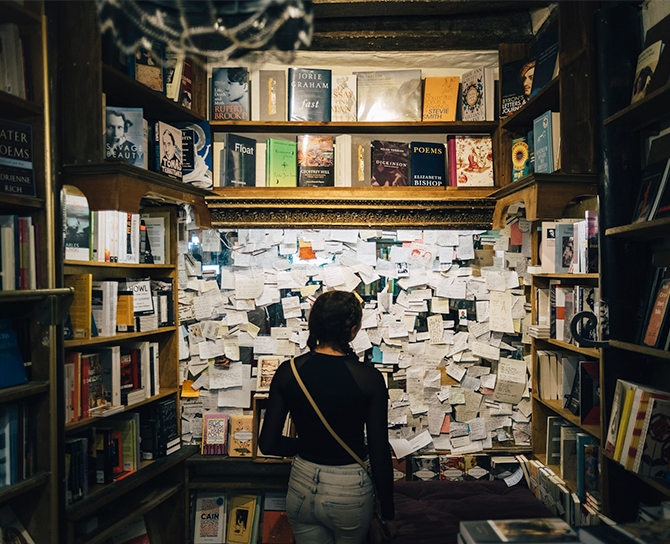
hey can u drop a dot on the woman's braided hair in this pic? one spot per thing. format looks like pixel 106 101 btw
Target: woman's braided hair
pixel 331 319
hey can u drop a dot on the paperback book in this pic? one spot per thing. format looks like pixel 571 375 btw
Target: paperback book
pixel 547 58
pixel 76 225
pixel 146 66
pixel 197 154
pixel 281 163
pixel 309 94
pixel 520 158
pixel 210 518
pixel 343 101
pixel 470 160
pixel 239 161
pixel 17 176
pixel 428 164
pixel 168 145
pixel 654 180
pixel 518 530
pixel 229 95
pixel 440 98
pixel 477 95
pixel 271 94
pixel 316 165
pixel 352 160
pixel 546 134
pixel 389 95
pixel 515 85
pixel 214 433
pixel 646 65
pixel 390 163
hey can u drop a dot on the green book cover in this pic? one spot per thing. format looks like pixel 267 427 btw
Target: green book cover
pixel 281 170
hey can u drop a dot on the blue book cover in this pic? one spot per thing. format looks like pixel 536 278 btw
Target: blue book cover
pixel 547 56
pixel 196 154
pixel 11 361
pixel 428 165
pixel 543 146
pixel 229 94
pixel 309 94
pixel 565 247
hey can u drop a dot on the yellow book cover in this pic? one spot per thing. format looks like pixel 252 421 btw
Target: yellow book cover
pixel 80 309
pixel 241 519
pixel 623 425
pixel 241 435
pixel 440 98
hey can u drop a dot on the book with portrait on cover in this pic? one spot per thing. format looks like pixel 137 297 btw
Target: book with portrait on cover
pixel 229 94
pixel 390 164
pixel 168 145
pixel 389 95
pixel 124 135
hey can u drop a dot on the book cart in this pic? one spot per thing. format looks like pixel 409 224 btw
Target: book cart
pixel 36 313
pixel 547 197
pixel 644 246
pixel 158 489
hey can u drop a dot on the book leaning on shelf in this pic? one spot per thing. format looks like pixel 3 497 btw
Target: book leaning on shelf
pixel 546 142
pixel 440 98
pixel 478 95
pixel 309 94
pixel 211 509
pixel 19 253
pixel 389 95
pixel 16 158
pixel 316 164
pixel 197 154
pixel 229 94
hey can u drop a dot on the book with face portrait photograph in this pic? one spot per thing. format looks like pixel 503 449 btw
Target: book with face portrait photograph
pixel 124 135
pixel 168 143
pixel 229 96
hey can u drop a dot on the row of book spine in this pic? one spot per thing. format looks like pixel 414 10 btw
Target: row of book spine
pixel 633 437
pixel 15 65
pixel 352 161
pixel 570 246
pixel 108 377
pixel 18 439
pixel 20 260
pixel 539 150
pixel 116 447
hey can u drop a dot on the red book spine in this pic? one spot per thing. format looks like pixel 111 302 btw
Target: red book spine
pixel 76 395
pixel 135 358
pixel 451 152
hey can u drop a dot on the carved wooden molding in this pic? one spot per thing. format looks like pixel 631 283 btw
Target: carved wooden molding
pixel 350 208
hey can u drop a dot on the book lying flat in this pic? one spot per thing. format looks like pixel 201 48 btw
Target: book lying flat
pixel 528 531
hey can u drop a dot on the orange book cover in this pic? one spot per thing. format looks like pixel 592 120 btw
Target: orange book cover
pixel 440 98
pixel 241 435
pixel 657 320
pixel 276 528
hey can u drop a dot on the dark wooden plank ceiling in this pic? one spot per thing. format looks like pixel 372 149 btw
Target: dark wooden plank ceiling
pixel 414 25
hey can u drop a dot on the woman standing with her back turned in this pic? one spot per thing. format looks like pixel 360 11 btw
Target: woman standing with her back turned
pixel 330 496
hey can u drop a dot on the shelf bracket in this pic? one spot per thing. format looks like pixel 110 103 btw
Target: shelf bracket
pixel 590 325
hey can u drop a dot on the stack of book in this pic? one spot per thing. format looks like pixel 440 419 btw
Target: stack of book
pixel 539 331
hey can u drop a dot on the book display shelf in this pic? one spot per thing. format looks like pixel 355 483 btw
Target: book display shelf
pixel 33 310
pixel 626 358
pixel 155 489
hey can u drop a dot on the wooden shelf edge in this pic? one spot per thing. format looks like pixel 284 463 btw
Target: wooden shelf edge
pixel 19 488
pixel 17 392
pixel 646 230
pixel 73 426
pixel 593 276
pixel 589 352
pixel 113 491
pixel 535 107
pixel 458 127
pixel 555 406
pixel 148 503
pixel 644 112
pixel 13 12
pixel 96 264
pixel 23 202
pixel 212 485
pixel 656 483
pixel 34 294
pixel 119 337
pixel 644 350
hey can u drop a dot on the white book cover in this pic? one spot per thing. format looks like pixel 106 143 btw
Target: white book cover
pixel 145 366
pixel 156 376
pixel 261 150
pixel 122 224
pixel 343 160
pixel 343 99
pixel 76 226
pixel 210 518
pixel 156 234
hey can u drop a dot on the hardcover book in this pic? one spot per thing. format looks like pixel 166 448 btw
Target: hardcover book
pixel 547 58
pixel 316 165
pixel 210 518
pixel 477 95
pixel 546 134
pixel 241 521
pixel 146 66
pixel 520 158
pixel 267 366
pixel 240 435
pixel 214 433
pixel 352 161
pixel 589 392
pixel 452 468
pixel 390 164
pixel 229 95
pixel 425 467
pixel 440 98
pixel 656 329
pixel 654 177
pixel 309 94
pixel 428 164
pixel 343 100
pixel 646 65
pixel 389 95
pixel 515 85
pixel 281 164
pixel 655 440
pixel 197 154
pixel 76 225
pixel 16 158
pixel 272 95
pixel 239 161
pixel 518 530
pixel 592 241
pixel 564 247
pixel 472 164
pixel 186 87
pixel 168 145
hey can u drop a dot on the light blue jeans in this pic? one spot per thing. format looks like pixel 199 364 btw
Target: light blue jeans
pixel 329 504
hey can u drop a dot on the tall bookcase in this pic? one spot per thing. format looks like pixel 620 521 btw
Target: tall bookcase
pixel 646 244
pixel 36 313
pixel 157 491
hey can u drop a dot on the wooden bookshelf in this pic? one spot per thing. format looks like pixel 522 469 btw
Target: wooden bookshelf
pixel 556 407
pixel 644 113
pixel 118 338
pixel 647 230
pixel 643 350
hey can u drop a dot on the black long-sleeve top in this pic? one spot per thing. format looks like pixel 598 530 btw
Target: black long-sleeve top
pixel 352 397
